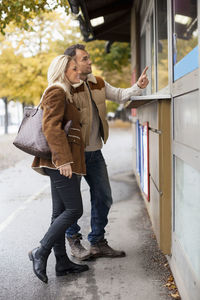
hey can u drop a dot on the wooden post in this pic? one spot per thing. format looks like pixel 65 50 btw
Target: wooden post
pixel 165 175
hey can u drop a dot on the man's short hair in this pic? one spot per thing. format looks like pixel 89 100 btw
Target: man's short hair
pixel 71 51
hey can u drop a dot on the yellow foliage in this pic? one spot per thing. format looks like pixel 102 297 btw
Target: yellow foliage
pixel 25 78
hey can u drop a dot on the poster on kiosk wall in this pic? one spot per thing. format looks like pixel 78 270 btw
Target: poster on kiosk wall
pixel 145 139
pixel 142 156
pixel 138 146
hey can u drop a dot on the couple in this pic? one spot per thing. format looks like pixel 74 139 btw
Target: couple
pixel 73 93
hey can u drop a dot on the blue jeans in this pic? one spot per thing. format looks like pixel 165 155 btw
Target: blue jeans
pixel 101 198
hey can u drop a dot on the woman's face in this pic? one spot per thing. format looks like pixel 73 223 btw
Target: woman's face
pixel 72 72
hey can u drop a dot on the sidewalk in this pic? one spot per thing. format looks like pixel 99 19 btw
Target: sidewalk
pixel 140 275
pixel 9 154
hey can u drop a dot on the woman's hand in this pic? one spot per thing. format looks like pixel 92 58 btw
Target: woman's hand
pixel 66 170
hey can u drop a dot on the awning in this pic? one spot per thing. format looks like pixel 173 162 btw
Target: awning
pixel 114 15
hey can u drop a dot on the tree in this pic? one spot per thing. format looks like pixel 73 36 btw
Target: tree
pixel 118 57
pixel 106 64
pixel 115 66
pixel 21 11
pixel 25 78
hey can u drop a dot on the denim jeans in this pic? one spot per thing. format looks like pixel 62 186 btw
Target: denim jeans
pixel 100 193
pixel 66 209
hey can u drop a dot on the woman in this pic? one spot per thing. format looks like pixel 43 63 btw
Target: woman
pixel 64 168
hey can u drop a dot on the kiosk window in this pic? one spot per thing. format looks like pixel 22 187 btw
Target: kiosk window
pixel 153 77
pixel 185 37
pixel 187 207
pixel 162 44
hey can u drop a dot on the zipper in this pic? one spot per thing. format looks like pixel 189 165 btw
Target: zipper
pixel 101 125
pixel 90 110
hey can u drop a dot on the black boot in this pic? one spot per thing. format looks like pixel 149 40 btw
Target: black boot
pixel 39 258
pixel 65 266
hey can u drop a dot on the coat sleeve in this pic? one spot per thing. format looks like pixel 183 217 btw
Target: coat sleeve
pixel 54 105
pixel 120 95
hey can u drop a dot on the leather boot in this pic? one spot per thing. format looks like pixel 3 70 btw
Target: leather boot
pixel 102 249
pixel 39 258
pixel 77 249
pixel 65 266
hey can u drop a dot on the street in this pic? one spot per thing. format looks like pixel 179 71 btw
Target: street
pixel 25 216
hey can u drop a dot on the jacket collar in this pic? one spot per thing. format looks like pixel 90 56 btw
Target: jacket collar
pixel 65 86
pixel 90 78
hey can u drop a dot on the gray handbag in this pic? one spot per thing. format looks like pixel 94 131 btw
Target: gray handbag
pixel 30 137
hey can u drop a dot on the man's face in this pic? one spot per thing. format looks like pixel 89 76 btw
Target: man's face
pixel 72 72
pixel 84 62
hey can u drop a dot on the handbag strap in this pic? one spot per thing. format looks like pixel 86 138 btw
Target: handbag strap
pixel 54 84
pixel 58 84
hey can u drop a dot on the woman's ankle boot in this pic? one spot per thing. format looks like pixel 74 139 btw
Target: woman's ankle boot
pixel 39 258
pixel 65 266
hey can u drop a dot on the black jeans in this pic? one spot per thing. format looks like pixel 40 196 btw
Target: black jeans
pixel 67 208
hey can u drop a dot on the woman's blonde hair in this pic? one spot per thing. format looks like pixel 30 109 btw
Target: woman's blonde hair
pixel 57 68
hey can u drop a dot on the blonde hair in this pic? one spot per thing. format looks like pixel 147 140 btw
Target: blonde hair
pixel 57 68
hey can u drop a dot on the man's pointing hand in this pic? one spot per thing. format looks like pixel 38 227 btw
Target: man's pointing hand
pixel 143 80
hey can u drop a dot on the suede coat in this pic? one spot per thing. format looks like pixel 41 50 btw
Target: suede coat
pixel 57 110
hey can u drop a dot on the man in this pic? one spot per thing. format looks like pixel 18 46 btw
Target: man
pixel 89 96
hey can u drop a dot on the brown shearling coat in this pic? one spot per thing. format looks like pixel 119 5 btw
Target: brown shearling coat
pixel 56 112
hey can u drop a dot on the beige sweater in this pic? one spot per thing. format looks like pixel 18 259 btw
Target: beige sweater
pixel 118 95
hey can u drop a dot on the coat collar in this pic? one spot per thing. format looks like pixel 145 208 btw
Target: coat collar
pixel 65 86
pixel 90 78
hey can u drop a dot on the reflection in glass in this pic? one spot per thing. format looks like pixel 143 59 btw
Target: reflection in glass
pixel 152 57
pixel 143 55
pixel 143 52
pixel 162 44
pixel 185 28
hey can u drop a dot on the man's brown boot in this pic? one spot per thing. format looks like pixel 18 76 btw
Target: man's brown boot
pixel 77 249
pixel 102 249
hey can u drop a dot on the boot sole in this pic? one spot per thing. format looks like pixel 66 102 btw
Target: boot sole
pixel 86 257
pixel 106 255
pixel 63 273
pixel 30 255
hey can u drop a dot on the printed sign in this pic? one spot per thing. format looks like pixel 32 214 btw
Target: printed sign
pixel 145 137
pixel 142 156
